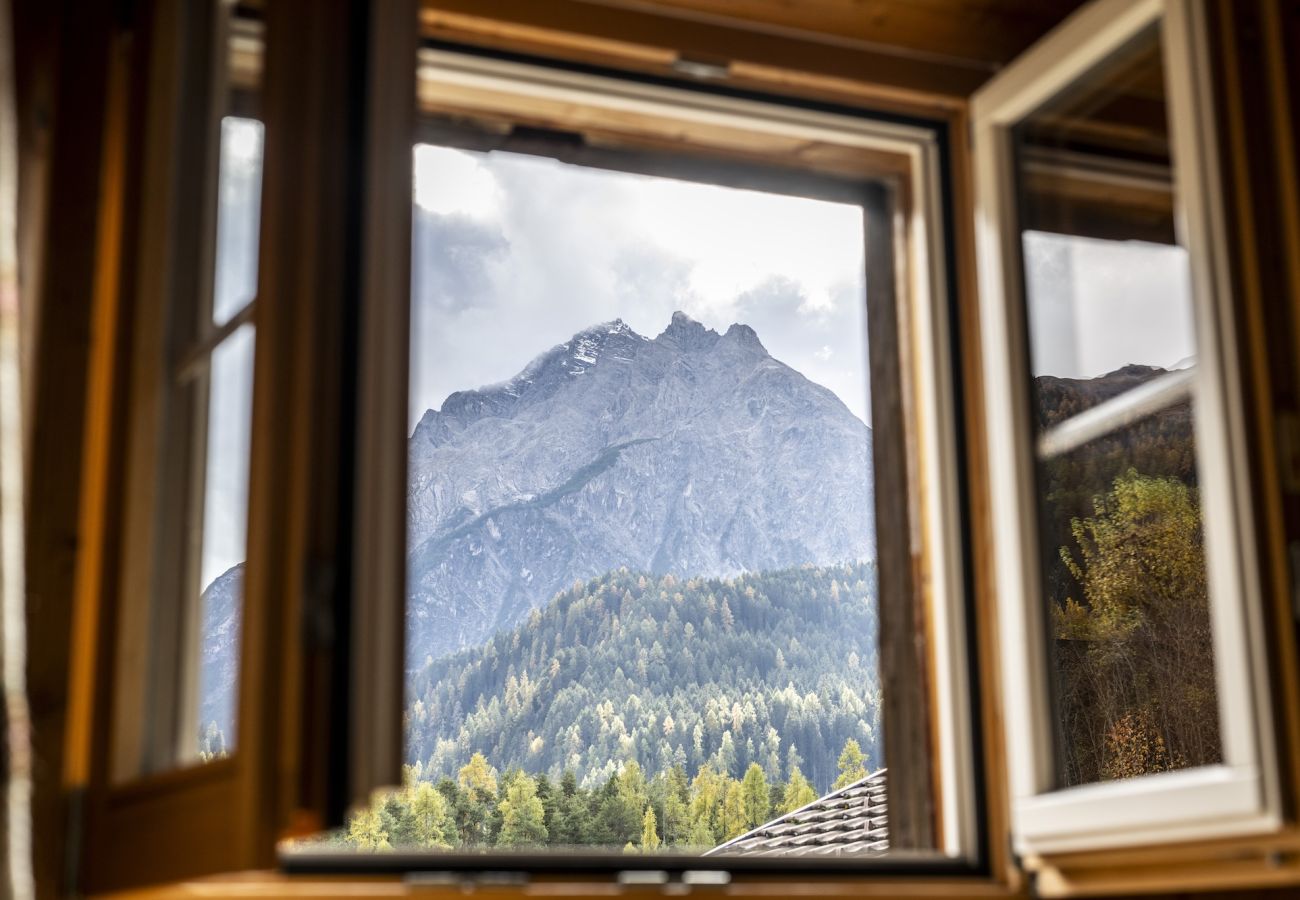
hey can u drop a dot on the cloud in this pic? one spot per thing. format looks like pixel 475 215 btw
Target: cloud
pixel 824 341
pixel 553 248
pixel 450 258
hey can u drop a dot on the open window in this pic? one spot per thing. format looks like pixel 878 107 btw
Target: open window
pixel 1135 675
pixel 721 456
pixel 681 511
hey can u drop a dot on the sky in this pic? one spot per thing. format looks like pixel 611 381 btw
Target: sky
pixel 515 254
pixel 230 396
pixel 1097 305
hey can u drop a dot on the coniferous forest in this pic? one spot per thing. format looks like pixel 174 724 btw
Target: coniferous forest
pixel 775 669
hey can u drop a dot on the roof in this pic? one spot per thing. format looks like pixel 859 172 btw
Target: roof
pixel 850 821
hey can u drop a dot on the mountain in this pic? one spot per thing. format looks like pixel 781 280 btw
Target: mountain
pixel 694 453
pixel 763 668
pixel 221 608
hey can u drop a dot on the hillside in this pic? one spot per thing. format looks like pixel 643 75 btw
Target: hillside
pixel 761 668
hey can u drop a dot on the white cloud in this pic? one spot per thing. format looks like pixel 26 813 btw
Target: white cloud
pixel 571 246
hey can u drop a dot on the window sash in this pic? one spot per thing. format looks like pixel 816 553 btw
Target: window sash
pixel 1240 795
pixel 933 535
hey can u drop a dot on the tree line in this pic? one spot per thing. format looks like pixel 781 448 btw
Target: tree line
pixel 482 808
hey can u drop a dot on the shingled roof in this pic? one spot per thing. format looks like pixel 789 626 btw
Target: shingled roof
pixel 850 821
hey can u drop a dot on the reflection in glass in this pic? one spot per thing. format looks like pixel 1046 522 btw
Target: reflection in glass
pixel 1124 571
pixel 1107 286
pixel 239 203
pixel 1096 306
pixel 225 518
pixel 226 438
pixel 1110 325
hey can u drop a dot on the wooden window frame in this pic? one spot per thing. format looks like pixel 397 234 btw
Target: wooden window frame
pixel 474 99
pixel 305 751
pixel 1241 795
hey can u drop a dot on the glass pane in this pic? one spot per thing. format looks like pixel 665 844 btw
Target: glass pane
pixel 1124 574
pixel 176 683
pixel 225 526
pixel 1107 285
pixel 239 203
pixel 641 580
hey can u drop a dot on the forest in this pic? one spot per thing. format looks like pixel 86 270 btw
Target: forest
pixel 481 808
pixel 776 669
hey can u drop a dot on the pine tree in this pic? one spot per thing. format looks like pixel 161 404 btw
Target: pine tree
pixel 798 793
pixel 523 820
pixel 649 834
pixel 433 825
pixel 734 822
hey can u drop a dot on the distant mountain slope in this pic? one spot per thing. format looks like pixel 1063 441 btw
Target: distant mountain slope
pixel 665 670
pixel 694 453
pixel 221 611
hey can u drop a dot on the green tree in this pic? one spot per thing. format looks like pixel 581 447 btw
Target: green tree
pixel 1135 657
pixel 523 820
pixel 478 783
pixel 433 823
pixel 649 834
pixel 707 792
pixel 734 822
pixel 754 796
pixel 366 829
pixel 798 793
pixel 852 765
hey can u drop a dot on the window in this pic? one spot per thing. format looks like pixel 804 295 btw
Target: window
pixel 516 429
pixel 1137 711
pixel 641 561
pixel 178 703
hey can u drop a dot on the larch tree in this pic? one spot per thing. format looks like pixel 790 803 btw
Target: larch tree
pixel 852 765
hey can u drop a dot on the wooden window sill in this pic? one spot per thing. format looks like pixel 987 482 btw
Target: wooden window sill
pixel 246 885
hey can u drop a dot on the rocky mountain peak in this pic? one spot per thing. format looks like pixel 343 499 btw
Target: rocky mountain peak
pixel 694 453
pixel 687 334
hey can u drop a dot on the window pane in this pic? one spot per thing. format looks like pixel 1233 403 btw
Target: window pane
pixel 1107 286
pixel 641 579
pixel 239 201
pixel 225 521
pixel 1125 579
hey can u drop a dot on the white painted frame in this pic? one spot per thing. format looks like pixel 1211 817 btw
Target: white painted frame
pixel 923 314
pixel 1240 795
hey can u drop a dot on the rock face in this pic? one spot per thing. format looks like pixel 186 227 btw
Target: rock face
pixel 695 453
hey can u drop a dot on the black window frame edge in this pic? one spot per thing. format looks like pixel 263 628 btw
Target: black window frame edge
pixel 500 866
